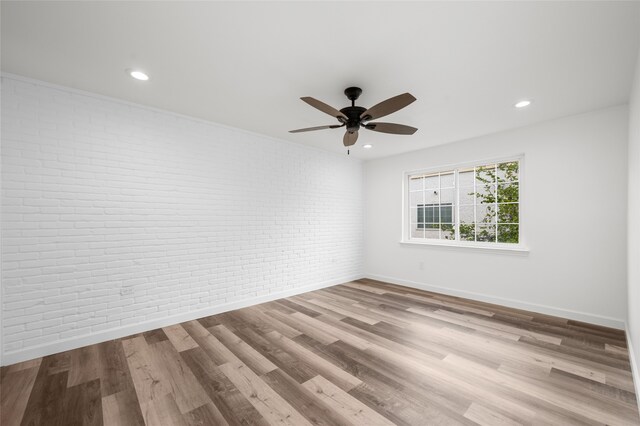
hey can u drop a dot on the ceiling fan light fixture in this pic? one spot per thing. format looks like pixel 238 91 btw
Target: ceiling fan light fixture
pixel 367 146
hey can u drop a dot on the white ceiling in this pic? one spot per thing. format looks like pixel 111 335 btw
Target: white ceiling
pixel 246 64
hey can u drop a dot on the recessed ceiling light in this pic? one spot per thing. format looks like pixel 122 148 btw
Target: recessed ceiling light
pixel 367 146
pixel 523 103
pixel 138 75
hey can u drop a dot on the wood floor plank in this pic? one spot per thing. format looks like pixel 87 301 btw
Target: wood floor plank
pixel 84 365
pixel 590 409
pixel 122 409
pixel 442 405
pixel 83 404
pixel 14 395
pixel 271 323
pixel 155 336
pixel 441 316
pixel 365 287
pixel 343 403
pixel 288 363
pixel 46 402
pixel 162 411
pixel 303 400
pixel 303 299
pixel 296 307
pixel 113 368
pixel 212 346
pixel 486 417
pixel 255 360
pixel 297 321
pixel 56 363
pixel 148 377
pixel 341 378
pixel 271 405
pixel 233 406
pixel 346 312
pixel 205 415
pixel 363 353
pixel 179 338
pixel 325 323
pixel 186 391
pixel 25 365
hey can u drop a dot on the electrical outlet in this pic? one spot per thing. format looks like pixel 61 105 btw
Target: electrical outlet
pixel 126 291
pixel 421 265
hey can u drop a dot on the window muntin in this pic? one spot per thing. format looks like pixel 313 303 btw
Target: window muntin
pixel 472 204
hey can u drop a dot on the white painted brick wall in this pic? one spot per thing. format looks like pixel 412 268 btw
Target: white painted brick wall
pixel 101 198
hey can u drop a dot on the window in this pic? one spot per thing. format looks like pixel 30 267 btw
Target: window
pixel 470 204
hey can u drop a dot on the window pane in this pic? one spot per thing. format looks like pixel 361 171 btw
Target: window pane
pixel 508 193
pixel 447 180
pixel 448 232
pixel 467 231
pixel 447 196
pixel 508 234
pixel 508 213
pixel 467 215
pixel 431 213
pixel 485 194
pixel 416 198
pixel 432 182
pixel 446 213
pixel 486 233
pixel 485 174
pixel 432 231
pixel 415 183
pixel 417 232
pixel 465 177
pixel 432 196
pixel 486 213
pixel 508 172
pixel 467 195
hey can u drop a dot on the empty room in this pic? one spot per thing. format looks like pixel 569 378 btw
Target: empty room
pixel 320 213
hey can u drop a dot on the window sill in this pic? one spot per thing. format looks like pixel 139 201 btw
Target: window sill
pixel 455 245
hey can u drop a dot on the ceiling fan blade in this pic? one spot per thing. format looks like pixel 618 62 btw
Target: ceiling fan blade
pixel 324 108
pixel 396 129
pixel 350 138
pixel 387 107
pixel 308 129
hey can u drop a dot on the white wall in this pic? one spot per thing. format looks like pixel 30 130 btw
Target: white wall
pixel 117 218
pixel 576 266
pixel 633 218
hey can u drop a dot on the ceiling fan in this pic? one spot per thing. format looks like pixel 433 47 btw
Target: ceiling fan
pixel 354 117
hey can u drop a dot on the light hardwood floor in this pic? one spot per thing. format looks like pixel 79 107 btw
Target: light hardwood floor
pixel 364 353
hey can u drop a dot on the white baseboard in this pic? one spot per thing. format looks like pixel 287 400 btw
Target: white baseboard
pixel 634 365
pixel 115 333
pixel 518 304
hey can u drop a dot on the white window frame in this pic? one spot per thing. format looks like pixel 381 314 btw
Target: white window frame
pixel 507 247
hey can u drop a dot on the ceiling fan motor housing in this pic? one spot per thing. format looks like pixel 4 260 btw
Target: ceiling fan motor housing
pixel 353 117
